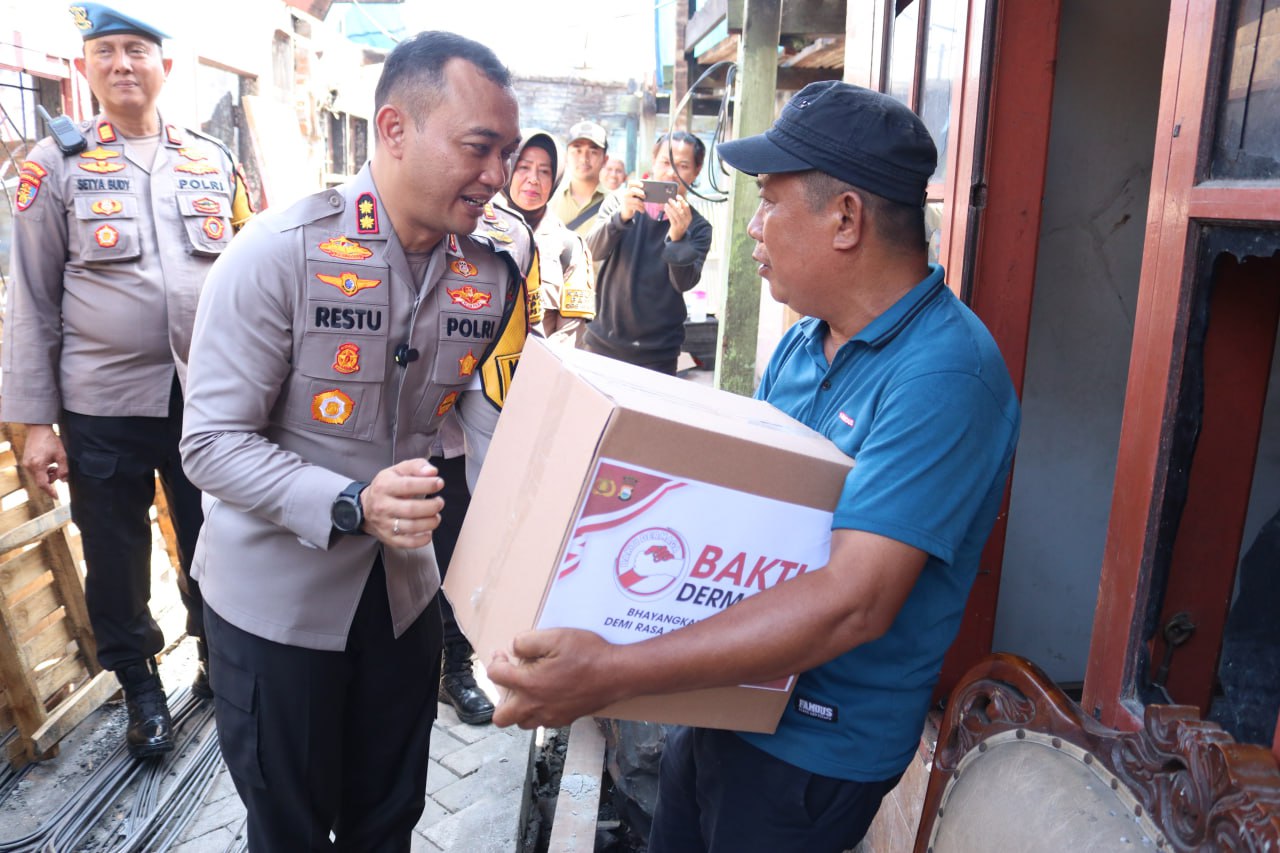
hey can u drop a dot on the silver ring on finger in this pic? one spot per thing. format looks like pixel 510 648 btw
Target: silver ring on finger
pixel 395 528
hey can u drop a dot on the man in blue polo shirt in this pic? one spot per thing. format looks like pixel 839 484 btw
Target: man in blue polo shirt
pixel 903 377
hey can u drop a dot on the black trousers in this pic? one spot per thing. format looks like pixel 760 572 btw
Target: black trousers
pixel 112 466
pixel 457 497
pixel 320 741
pixel 719 794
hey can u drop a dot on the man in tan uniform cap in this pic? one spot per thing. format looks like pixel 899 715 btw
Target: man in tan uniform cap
pixel 118 223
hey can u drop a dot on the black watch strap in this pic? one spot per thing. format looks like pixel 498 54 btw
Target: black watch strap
pixel 347 513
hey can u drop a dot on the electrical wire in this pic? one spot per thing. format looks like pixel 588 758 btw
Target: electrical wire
pixel 721 194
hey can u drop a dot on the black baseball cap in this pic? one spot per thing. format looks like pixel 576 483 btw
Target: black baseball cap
pixel 856 135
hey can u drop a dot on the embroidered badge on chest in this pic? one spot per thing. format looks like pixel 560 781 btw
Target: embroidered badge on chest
pixel 106 207
pixel 332 407
pixel 367 214
pixel 464 268
pixel 470 297
pixel 206 205
pixel 214 228
pixel 498 236
pixel 193 154
pixel 198 168
pixel 344 249
pixel 347 358
pixel 348 282
pixel 106 236
pixel 99 161
pixel 467 364
pixel 447 403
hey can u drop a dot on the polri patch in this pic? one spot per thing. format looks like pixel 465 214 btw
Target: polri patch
pixel 106 236
pixel 332 407
pixel 348 282
pixel 347 358
pixel 816 710
pixel 470 297
pixel 28 189
pixel 34 169
pixel 367 214
pixel 344 249
pixel 464 268
pixel 467 364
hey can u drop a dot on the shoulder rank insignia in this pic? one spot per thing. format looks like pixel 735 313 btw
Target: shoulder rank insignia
pixel 201 167
pixel 447 403
pixel 332 407
pixel 349 283
pixel 467 364
pixel 470 297
pixel 106 236
pixel 452 245
pixel 106 207
pixel 174 135
pixel 214 228
pixel 344 249
pixel 464 268
pixel 366 214
pixel 106 133
pixel 347 358
pixel 492 219
pixel 206 205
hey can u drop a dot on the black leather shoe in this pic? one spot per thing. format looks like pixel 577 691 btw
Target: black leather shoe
pixel 200 684
pixel 150 729
pixel 459 690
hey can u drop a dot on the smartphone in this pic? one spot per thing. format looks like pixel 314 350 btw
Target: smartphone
pixel 659 192
pixel 65 133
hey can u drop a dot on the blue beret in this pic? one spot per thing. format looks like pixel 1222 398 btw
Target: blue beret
pixel 96 20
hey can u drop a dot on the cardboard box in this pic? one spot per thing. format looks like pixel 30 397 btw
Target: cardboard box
pixel 630 503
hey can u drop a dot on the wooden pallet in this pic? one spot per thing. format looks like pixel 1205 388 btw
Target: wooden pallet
pixel 49 673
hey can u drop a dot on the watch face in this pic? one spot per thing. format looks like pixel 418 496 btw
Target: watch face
pixel 345 515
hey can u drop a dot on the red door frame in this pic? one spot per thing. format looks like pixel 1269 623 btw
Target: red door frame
pixel 1176 210
pixel 1005 186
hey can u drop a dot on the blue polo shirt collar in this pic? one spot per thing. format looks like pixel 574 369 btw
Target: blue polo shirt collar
pixel 886 327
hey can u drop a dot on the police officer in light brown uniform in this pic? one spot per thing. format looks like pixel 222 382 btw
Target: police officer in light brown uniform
pixel 118 223
pixel 333 339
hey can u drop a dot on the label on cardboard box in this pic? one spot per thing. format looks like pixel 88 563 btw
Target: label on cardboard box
pixel 650 553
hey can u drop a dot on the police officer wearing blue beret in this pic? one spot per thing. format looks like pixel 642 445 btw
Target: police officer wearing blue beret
pixel 118 221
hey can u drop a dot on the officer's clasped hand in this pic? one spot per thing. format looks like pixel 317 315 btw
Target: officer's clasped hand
pixel 399 509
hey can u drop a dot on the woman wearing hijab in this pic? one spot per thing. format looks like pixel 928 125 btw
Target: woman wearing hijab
pixel 568 277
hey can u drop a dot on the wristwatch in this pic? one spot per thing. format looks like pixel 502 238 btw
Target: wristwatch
pixel 347 514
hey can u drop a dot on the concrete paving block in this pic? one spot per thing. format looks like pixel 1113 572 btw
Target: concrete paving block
pixel 432 814
pixel 501 744
pixel 496 779
pixel 490 825
pixel 438 776
pixel 443 743
pixel 470 734
pixel 420 844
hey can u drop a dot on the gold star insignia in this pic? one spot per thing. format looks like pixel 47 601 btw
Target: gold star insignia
pixel 366 222
pixel 366 207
